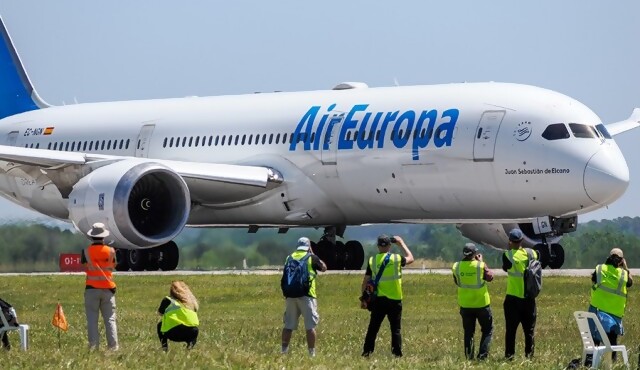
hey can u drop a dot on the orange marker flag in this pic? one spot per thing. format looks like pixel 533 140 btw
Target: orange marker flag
pixel 59 320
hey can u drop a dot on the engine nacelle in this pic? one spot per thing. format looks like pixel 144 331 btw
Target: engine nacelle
pixel 142 203
pixel 497 235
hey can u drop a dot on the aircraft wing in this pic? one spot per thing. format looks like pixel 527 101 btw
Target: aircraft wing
pixel 209 183
pixel 630 123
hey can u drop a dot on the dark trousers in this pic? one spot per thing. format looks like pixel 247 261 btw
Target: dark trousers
pixel 392 309
pixel 485 319
pixel 5 341
pixel 519 311
pixel 180 333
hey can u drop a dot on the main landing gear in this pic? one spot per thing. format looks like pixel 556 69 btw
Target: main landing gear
pixel 164 257
pixel 336 254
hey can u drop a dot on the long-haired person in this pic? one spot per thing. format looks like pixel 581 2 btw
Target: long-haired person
pixel 179 316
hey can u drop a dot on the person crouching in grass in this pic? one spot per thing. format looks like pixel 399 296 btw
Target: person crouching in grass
pixel 179 316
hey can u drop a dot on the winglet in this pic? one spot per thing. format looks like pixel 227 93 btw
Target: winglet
pixel 630 123
pixel 17 95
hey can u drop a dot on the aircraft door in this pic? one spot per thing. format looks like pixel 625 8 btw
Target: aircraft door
pixel 484 143
pixel 12 137
pixel 329 142
pixel 144 140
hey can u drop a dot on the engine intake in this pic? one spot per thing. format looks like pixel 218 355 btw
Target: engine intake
pixel 143 203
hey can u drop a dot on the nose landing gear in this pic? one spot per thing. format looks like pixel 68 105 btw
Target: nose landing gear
pixel 338 255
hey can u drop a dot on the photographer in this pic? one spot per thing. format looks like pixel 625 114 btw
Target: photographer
pixel 471 275
pixel 388 300
pixel 609 295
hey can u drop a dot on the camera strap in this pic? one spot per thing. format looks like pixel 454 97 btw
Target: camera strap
pixel 384 264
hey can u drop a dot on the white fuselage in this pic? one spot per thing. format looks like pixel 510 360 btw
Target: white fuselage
pixel 474 152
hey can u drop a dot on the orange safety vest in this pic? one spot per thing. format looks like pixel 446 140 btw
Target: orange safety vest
pixel 101 260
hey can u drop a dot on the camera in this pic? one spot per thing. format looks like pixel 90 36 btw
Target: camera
pixel 393 240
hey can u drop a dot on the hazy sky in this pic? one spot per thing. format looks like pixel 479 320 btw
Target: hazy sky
pixel 88 51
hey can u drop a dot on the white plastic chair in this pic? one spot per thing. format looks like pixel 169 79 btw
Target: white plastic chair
pixel 588 345
pixel 22 329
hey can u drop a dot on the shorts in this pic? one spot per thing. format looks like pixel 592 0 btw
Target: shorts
pixel 305 306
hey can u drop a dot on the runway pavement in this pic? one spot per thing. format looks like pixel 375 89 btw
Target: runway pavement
pixel 497 272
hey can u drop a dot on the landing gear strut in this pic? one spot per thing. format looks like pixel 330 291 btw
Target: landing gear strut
pixel 336 254
pixel 164 257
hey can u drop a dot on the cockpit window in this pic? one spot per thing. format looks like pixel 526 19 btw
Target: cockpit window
pixel 603 130
pixel 556 131
pixel 583 131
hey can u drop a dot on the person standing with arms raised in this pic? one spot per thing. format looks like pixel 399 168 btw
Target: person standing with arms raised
pixel 471 275
pixel 388 301
pixel 518 309
pixel 99 261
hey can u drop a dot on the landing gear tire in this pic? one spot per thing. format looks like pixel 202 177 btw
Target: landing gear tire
pixel 355 255
pixel 326 251
pixel 137 259
pixel 341 256
pixel 556 257
pixel 122 259
pixel 169 256
pixel 543 254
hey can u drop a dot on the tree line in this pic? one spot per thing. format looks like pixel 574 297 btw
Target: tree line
pixel 36 247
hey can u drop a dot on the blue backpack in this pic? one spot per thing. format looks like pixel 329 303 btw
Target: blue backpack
pixel 295 281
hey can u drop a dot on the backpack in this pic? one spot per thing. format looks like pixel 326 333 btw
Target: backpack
pixel 295 282
pixel 532 276
pixel 9 313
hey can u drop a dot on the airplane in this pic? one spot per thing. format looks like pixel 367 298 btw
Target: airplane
pixel 487 157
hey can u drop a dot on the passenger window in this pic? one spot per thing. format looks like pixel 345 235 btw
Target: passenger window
pixel 244 137
pixel 127 144
pixel 73 146
pixel 264 138
pixel 270 138
pixel 236 141
pixel 38 146
pixel 190 141
pixel 66 147
pixel 217 140
pixel 121 143
pixel 284 138
pixel 90 145
pixel 84 146
pixel 250 139
pixel 583 131
pixel 109 145
pixel 197 140
pixel 556 131
pixel 277 138
pixel 603 130
pixel 211 140
pixel 49 146
pixel 313 137
pixel 184 141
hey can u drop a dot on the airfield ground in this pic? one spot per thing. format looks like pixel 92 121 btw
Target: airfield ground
pixel 241 318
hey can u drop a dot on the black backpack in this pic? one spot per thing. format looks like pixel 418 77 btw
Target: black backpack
pixel 295 282
pixel 8 312
pixel 532 276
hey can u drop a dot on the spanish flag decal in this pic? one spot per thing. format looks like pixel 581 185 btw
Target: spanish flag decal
pixel 48 131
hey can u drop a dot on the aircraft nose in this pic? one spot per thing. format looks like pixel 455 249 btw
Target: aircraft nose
pixel 606 176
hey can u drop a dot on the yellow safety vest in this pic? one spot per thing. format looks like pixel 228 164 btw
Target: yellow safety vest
pixel 298 255
pixel 515 275
pixel 472 289
pixel 176 314
pixel 609 293
pixel 390 284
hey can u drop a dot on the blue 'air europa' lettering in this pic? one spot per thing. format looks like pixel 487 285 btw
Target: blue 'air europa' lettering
pixel 362 129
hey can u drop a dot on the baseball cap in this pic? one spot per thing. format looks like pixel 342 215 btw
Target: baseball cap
pixel 616 252
pixel 384 240
pixel 515 235
pixel 304 244
pixel 469 249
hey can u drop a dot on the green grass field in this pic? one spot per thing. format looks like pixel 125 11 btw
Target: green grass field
pixel 241 318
